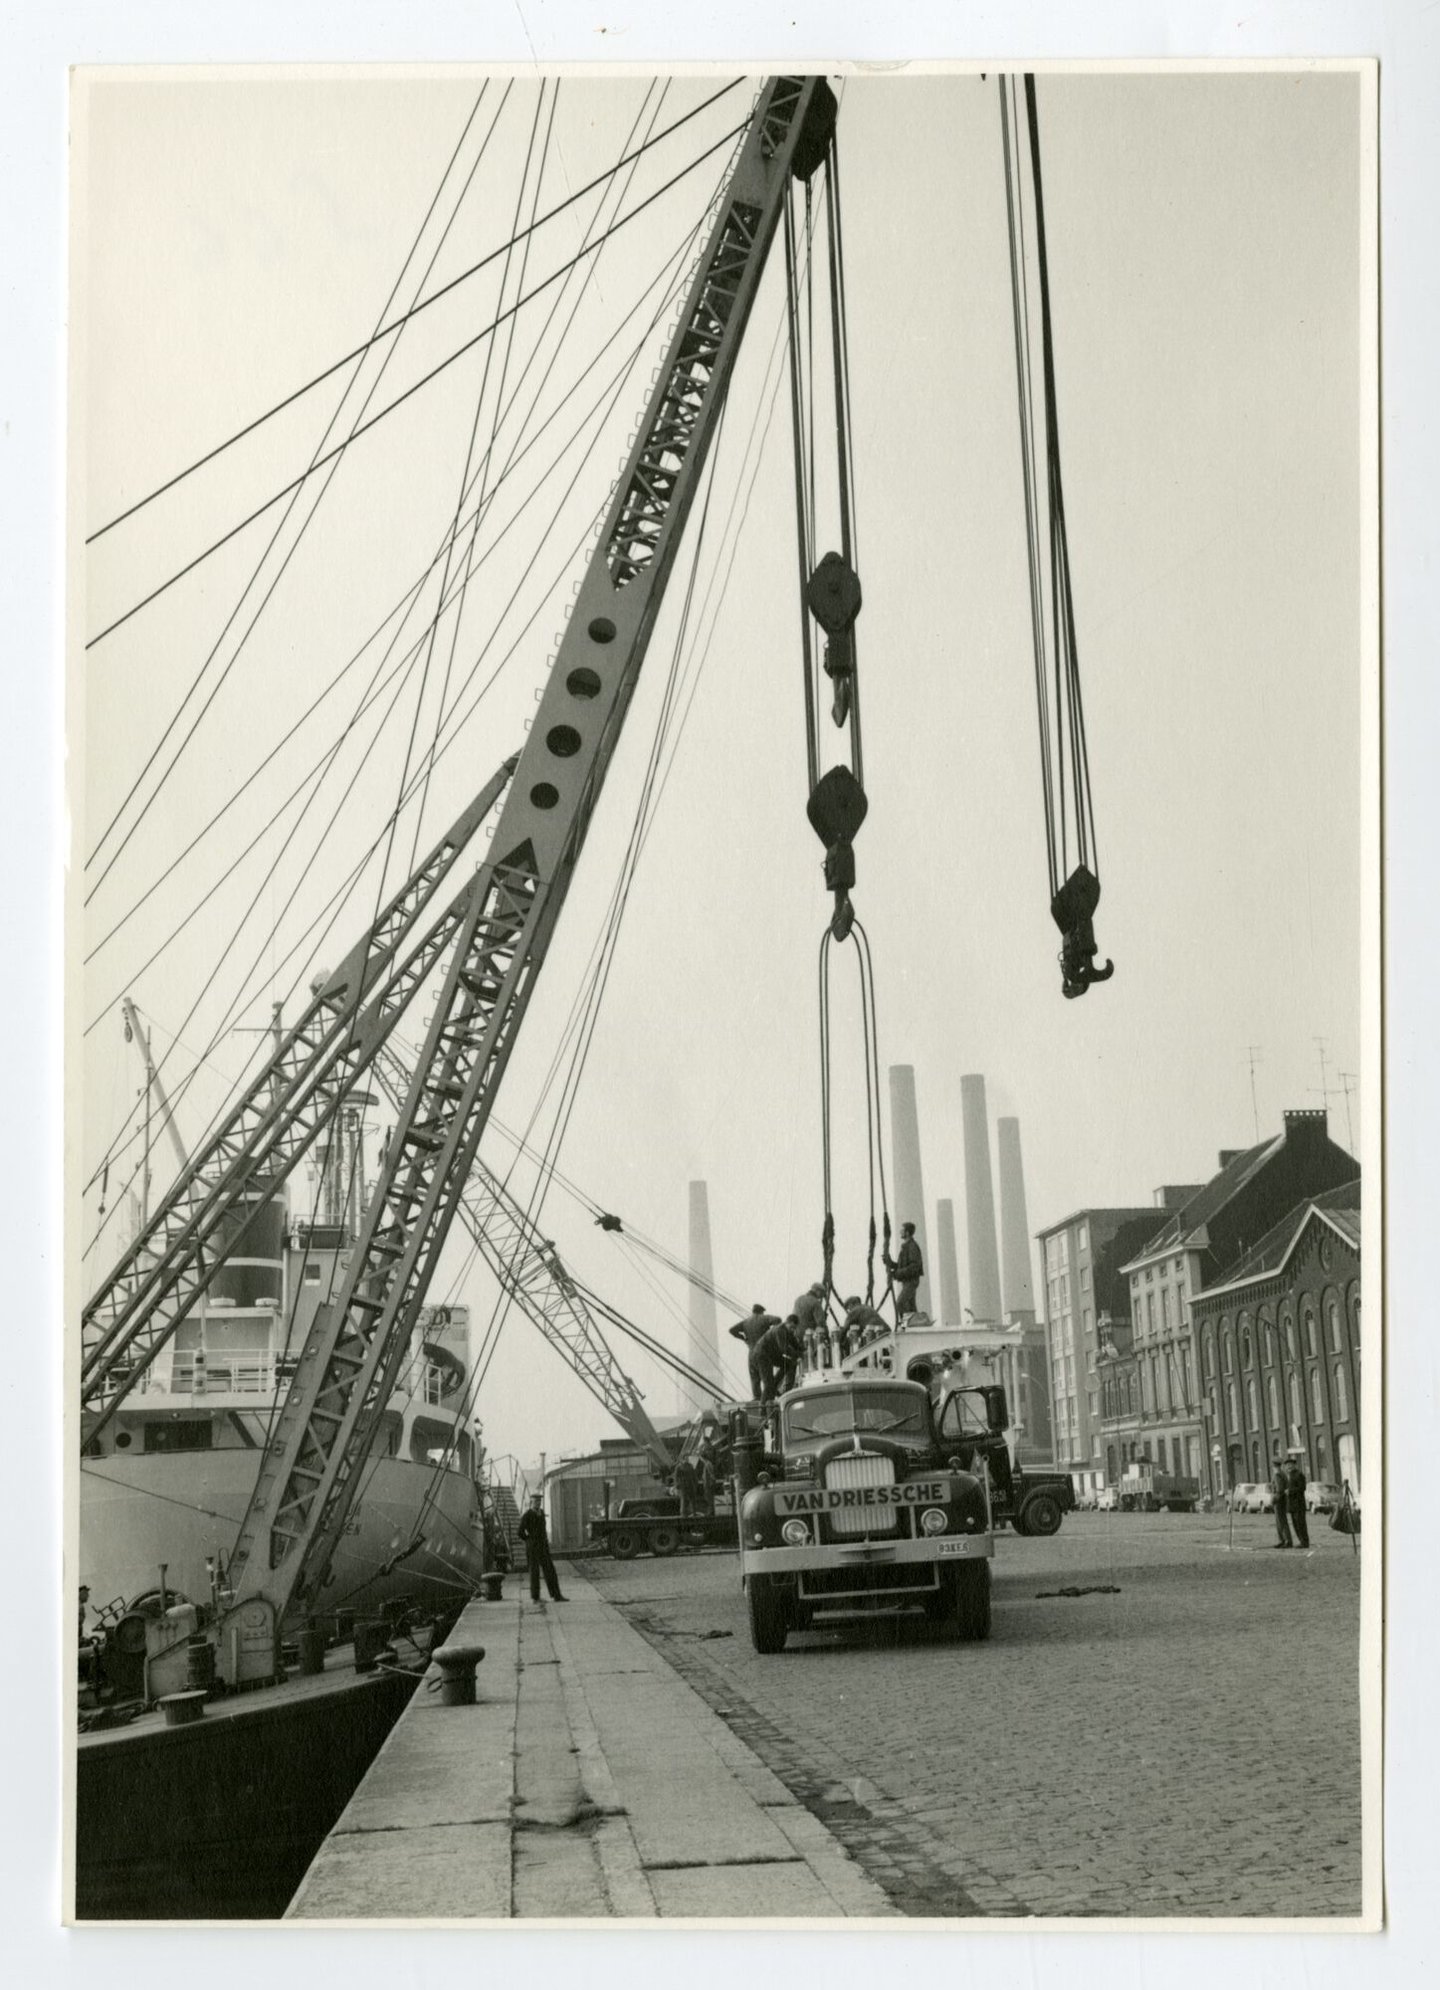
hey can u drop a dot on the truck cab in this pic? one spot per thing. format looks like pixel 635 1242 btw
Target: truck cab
pixel 850 1502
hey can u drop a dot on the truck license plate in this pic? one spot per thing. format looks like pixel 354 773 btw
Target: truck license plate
pixel 957 1547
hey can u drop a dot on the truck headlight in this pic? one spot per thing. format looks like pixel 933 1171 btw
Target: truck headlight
pixel 795 1534
pixel 933 1521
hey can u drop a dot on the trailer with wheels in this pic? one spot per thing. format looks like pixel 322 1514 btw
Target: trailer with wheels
pixel 656 1526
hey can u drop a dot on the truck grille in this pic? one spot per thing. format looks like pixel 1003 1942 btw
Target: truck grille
pixel 863 1468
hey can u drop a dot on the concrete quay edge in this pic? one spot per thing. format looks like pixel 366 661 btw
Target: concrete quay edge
pixel 588 1784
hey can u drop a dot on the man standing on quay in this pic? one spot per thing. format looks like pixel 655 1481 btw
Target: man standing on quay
pixel 537 1550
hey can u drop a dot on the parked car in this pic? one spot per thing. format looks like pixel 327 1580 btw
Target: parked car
pixel 1321 1496
pixel 1107 1499
pixel 1258 1499
pixel 1240 1497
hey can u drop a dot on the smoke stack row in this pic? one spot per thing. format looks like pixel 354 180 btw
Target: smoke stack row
pixel 990 1298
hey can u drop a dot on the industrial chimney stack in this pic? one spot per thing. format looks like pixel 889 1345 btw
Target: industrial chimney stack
pixel 1019 1290
pixel 979 1202
pixel 947 1264
pixel 909 1202
pixel 704 1348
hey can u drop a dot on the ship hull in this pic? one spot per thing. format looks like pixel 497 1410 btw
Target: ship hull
pixel 136 1514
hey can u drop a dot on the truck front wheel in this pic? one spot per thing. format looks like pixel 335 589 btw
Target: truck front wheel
pixel 769 1618
pixel 972 1592
pixel 1041 1514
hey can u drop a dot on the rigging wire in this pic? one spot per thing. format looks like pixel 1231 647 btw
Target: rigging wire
pixel 364 428
pixel 385 330
pixel 404 607
pixel 335 904
pixel 274 538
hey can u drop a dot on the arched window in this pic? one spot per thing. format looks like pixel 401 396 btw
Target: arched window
pixel 1208 1352
pixel 1287 1334
pixel 1332 1315
pixel 1227 1352
pixel 1232 1416
pixel 1252 1403
pixel 1272 1399
pixel 1309 1322
pixel 1269 1345
pixel 1246 1348
pixel 1295 1415
pixel 1317 1398
pixel 1341 1407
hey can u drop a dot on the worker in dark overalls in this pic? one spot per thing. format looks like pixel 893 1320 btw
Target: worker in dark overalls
pixel 779 1353
pixel 907 1269
pixel 538 1559
pixel 752 1331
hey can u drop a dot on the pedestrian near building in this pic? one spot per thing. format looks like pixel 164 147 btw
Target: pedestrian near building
pixel 906 1269
pixel 1295 1483
pixel 538 1559
pixel 1280 1487
pixel 752 1331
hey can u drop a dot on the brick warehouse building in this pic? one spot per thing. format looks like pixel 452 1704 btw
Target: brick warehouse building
pixel 1201 1247
pixel 1087 1309
pixel 1279 1345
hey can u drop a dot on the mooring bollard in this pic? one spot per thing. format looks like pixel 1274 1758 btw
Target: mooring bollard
pixel 183 1709
pixel 492 1587
pixel 457 1665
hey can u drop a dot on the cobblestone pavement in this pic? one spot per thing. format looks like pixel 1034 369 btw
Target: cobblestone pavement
pixel 1188 1745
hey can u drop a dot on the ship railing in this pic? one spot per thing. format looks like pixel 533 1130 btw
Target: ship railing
pixel 238 1372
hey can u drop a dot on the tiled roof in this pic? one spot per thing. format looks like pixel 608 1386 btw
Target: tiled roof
pixel 1339 1207
pixel 1213 1197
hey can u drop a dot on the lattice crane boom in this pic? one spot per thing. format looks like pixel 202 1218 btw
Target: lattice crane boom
pixel 133 1313
pixel 346 1371
pixel 527 1267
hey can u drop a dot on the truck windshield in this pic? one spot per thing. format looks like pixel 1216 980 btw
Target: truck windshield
pixel 893 1412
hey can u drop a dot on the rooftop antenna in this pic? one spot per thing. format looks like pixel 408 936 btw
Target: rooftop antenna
pixel 1253 1051
pixel 1325 1086
pixel 1348 1084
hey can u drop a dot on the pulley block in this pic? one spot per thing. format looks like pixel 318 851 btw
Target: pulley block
pixel 832 594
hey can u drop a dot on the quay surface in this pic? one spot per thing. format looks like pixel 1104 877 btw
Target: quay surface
pixel 589 1782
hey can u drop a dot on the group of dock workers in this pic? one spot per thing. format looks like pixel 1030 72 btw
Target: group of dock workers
pixel 775 1347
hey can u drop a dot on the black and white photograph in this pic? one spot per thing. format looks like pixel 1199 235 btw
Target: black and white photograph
pixel 722 1030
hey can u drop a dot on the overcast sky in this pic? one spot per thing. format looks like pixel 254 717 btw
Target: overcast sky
pixel 1204 245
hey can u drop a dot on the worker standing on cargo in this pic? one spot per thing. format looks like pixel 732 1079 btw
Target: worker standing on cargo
pixel 537 1551
pixel 779 1352
pixel 752 1331
pixel 907 1270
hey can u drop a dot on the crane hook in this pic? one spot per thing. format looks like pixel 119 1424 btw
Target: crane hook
pixel 1073 910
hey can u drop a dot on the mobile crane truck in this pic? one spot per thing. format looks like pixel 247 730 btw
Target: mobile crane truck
pixel 850 1502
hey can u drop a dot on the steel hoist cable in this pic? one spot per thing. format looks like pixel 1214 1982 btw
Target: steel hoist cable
pixel 1064 756
pixel 874 1140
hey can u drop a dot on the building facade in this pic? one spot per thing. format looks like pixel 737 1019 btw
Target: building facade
pixel 1279 1349
pixel 1199 1248
pixel 1087 1303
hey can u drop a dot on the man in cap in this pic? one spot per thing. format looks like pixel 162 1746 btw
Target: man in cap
pixel 538 1559
pixel 906 1268
pixel 1280 1487
pixel 1295 1483
pixel 752 1331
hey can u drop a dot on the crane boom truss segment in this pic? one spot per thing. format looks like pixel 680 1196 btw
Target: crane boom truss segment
pixel 526 1267
pixel 310 1472
pixel 132 1315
